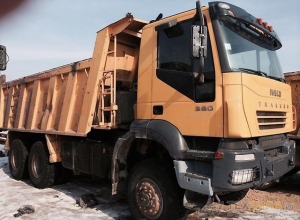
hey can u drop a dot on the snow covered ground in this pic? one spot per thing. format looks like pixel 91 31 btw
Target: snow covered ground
pixel 60 202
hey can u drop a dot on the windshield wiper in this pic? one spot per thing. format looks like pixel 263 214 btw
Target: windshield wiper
pixel 256 72
pixel 277 78
pixel 260 73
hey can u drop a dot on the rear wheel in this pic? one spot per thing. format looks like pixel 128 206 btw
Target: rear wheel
pixel 153 192
pixel 18 160
pixel 41 172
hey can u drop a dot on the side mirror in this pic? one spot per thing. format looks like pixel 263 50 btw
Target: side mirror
pixel 199 41
pixel 2 58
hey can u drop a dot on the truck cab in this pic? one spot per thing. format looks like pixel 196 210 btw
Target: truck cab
pixel 226 130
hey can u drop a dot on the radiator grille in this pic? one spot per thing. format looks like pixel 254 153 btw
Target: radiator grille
pixel 271 119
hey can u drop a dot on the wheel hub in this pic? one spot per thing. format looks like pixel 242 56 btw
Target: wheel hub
pixel 14 160
pixel 149 198
pixel 36 167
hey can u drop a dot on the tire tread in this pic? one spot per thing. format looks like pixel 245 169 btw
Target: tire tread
pixel 48 177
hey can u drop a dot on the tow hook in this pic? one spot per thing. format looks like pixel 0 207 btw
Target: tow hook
pixel 291 163
pixel 270 172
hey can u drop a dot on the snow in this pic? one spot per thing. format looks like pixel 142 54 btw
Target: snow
pixel 58 202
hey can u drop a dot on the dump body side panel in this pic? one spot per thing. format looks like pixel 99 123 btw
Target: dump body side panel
pixel 46 102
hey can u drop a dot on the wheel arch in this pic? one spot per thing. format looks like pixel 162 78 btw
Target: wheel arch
pixel 162 132
pixel 28 139
pixel 164 136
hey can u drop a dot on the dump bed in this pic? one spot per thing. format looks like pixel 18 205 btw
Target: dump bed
pixel 72 99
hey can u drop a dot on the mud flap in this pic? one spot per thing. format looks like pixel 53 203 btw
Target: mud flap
pixel 193 200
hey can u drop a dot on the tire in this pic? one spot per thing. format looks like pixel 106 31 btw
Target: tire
pixel 41 172
pixel 233 197
pixel 151 183
pixel 18 160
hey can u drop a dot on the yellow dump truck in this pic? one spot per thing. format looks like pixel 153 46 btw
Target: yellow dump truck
pixel 179 112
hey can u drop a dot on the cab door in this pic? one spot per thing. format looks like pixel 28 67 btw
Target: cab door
pixel 178 96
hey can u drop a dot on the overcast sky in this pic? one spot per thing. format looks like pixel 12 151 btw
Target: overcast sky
pixel 44 34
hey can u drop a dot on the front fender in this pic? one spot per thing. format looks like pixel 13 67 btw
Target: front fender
pixel 162 132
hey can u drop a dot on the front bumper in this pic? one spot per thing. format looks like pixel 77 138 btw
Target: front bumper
pixel 265 169
pixel 229 174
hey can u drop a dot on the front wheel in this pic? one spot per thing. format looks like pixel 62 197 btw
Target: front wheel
pixel 41 172
pixel 153 192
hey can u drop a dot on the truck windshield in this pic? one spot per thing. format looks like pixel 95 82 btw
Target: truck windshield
pixel 249 49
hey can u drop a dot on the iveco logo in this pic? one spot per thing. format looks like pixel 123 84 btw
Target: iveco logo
pixel 274 92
